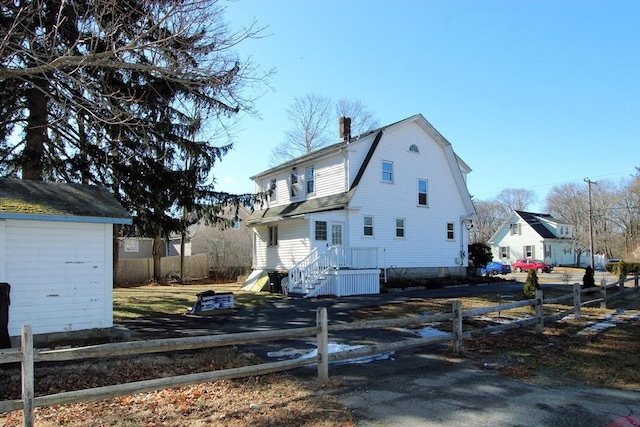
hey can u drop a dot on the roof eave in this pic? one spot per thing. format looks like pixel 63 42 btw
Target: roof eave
pixel 66 218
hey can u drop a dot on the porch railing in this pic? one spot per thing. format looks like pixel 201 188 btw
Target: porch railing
pixel 311 271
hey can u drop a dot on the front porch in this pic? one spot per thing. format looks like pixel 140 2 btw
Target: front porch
pixel 339 271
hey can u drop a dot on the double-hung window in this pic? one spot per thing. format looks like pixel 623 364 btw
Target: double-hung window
pixel 400 227
pixel 235 223
pixel 528 251
pixel 367 223
pixel 310 179
pixel 423 192
pixel 504 252
pixel 387 171
pixel 321 230
pixel 450 231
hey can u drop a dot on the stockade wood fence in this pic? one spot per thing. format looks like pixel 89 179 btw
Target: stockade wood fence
pixel 28 357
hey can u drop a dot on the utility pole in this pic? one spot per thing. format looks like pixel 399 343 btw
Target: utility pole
pixel 589 182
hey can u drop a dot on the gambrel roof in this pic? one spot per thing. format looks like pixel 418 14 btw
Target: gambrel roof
pixel 340 201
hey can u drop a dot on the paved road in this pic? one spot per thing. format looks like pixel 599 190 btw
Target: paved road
pixel 420 387
pixel 423 389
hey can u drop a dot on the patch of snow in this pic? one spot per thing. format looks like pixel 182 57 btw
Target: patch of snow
pixel 610 321
pixel 425 332
pixel 293 353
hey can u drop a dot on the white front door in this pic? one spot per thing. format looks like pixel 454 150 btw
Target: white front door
pixel 336 234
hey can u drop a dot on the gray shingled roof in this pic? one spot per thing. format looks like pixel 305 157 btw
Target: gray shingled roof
pixel 320 204
pixel 19 196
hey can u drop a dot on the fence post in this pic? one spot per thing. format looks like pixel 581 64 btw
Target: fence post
pixel 27 376
pixel 576 300
pixel 323 344
pixel 539 313
pixel 603 293
pixel 635 281
pixel 456 309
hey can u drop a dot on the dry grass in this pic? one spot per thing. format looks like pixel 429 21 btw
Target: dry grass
pixel 566 351
pixel 153 298
pixel 269 400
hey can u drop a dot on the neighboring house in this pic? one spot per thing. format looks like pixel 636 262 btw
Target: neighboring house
pixel 56 253
pixel 132 247
pixel 228 245
pixel 534 235
pixel 394 199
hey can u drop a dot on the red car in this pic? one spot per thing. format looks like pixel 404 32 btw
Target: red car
pixel 531 264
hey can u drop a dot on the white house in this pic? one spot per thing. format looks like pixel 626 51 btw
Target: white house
pixel 394 199
pixel 56 253
pixel 533 235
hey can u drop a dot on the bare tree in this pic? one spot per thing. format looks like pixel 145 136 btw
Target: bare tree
pixel 515 199
pixel 362 120
pixel 310 120
pixel 569 203
pixel 311 124
pixel 490 216
pixel 618 216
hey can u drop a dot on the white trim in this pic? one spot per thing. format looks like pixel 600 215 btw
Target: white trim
pixel 66 218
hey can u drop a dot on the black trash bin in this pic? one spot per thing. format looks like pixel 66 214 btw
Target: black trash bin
pixel 275 282
pixel 5 340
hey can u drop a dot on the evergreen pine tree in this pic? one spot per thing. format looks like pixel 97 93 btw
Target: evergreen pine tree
pixel 531 285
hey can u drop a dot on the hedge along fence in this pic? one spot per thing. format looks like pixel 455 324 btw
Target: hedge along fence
pixel 28 357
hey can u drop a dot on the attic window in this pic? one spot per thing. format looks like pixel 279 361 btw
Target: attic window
pixel 414 148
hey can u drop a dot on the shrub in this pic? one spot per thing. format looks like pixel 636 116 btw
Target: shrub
pixel 531 285
pixel 480 254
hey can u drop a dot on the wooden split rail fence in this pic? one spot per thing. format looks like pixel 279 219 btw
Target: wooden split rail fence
pixel 27 356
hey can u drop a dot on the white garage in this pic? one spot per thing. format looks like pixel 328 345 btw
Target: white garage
pixel 56 254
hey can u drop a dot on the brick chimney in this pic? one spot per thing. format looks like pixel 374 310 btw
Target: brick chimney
pixel 345 128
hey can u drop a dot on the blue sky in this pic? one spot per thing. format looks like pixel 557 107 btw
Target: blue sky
pixel 531 94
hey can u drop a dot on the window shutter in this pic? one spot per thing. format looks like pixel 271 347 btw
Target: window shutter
pixel 519 228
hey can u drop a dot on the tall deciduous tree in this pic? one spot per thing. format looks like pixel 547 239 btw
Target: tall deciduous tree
pixel 569 203
pixel 490 216
pixel 515 199
pixel 313 120
pixel 117 92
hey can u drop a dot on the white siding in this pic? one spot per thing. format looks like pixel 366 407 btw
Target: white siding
pixel 330 176
pixel 60 275
pixel 293 245
pixel 425 243
pixel 356 153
